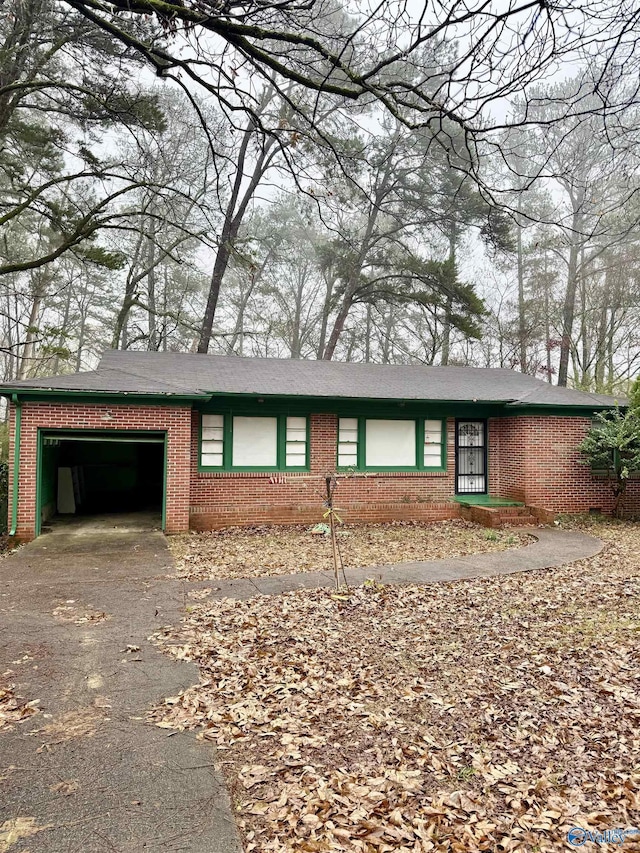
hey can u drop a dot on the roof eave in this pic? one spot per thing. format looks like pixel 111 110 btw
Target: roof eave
pixel 30 391
pixel 525 404
pixel 331 396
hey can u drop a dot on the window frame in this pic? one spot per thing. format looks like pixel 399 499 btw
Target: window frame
pixel 420 433
pixel 227 443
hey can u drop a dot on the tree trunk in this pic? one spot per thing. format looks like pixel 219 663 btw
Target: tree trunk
pixel 446 334
pixel 367 340
pixel 297 318
pixel 522 326
pixel 446 328
pixel 10 372
pixel 29 347
pixel 81 332
pixel 324 322
pixel 233 216
pixel 338 327
pixel 165 298
pixel 63 329
pixel 568 313
pixel 219 268
pixel 547 319
pixel 353 278
pixel 569 307
pixel 611 351
pixel 601 348
pixel 585 367
pixel 119 334
pixel 152 311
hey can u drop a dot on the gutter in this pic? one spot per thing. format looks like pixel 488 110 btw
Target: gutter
pixel 135 396
pixel 16 464
pixel 572 407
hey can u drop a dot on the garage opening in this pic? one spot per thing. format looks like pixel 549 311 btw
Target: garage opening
pixel 92 474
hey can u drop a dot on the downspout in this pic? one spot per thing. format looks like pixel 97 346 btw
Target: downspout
pixel 16 465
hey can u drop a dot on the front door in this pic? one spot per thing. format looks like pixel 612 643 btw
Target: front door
pixel 471 457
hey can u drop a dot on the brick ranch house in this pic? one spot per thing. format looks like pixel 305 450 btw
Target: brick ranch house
pixel 210 441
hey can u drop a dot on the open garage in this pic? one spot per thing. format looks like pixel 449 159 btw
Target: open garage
pixel 88 473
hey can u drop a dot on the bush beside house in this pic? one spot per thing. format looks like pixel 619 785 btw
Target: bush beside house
pixel 612 446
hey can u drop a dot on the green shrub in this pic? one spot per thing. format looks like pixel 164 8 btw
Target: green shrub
pixel 612 445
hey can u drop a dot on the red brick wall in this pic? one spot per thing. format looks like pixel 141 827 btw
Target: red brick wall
pixel 538 463
pixel 507 457
pixel 224 498
pixel 175 420
pixel 532 459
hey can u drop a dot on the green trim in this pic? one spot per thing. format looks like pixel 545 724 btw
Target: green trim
pixel 346 407
pixel 484 500
pixel 445 449
pixel 119 437
pixel 485 421
pixel 15 485
pixel 381 408
pixel 216 395
pixel 281 443
pixel 515 410
pixel 39 460
pixel 453 408
pixel 419 439
pixel 505 406
pixel 61 432
pixel 165 470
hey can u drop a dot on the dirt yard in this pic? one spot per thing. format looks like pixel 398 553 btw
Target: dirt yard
pixel 491 714
pixel 277 550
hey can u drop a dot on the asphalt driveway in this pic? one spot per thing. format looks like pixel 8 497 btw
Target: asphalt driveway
pixel 87 773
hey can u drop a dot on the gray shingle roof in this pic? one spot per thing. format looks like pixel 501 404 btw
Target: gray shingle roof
pixel 201 375
pixel 104 379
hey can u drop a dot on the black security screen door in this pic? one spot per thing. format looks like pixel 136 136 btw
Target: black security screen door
pixel 471 457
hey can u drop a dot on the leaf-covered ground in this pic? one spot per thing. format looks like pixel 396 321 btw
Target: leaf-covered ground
pixel 491 714
pixel 277 550
pixel 14 709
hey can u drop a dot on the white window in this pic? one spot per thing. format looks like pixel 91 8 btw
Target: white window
pixel 433 444
pixel 278 442
pixel 212 441
pixel 255 442
pixel 347 442
pixel 296 443
pixel 390 444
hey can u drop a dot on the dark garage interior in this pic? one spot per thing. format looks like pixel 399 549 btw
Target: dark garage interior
pixel 96 475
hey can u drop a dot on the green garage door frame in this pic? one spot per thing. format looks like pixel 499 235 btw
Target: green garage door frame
pixel 126 436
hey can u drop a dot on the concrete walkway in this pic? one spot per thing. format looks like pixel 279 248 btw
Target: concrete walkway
pixel 86 772
pixel 553 547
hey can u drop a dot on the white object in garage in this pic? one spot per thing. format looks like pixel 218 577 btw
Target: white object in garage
pixel 66 497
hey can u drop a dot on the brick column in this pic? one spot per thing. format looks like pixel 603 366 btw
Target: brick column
pixel 324 443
